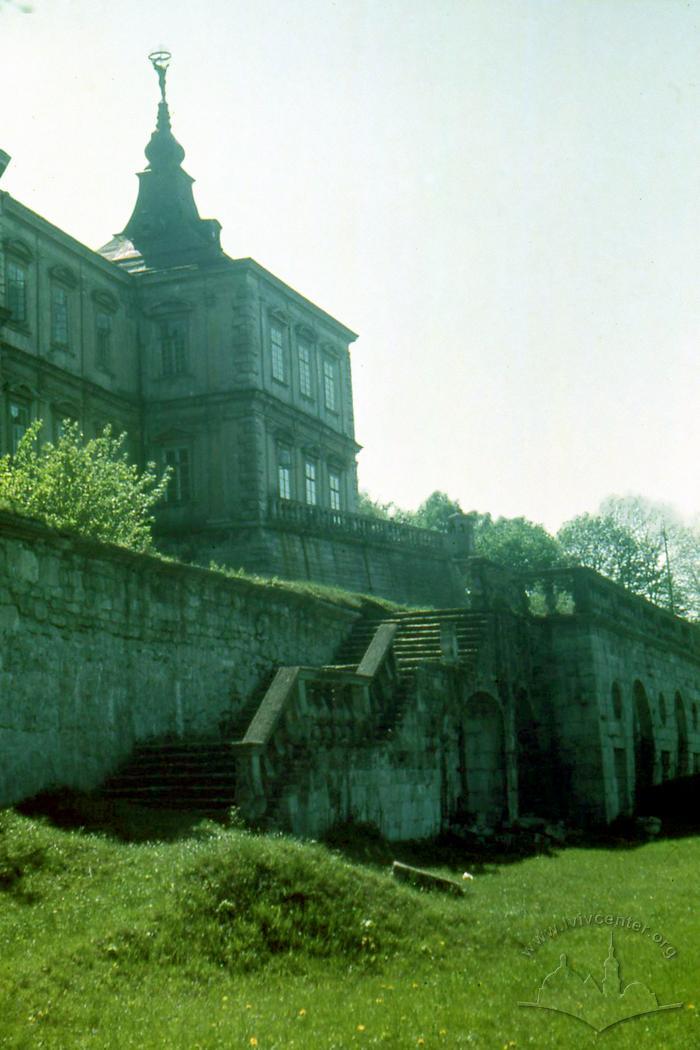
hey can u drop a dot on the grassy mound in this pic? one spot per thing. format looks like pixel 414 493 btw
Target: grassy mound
pixel 221 897
pixel 217 939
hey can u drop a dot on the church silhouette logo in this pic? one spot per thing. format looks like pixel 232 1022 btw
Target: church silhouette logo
pixel 600 1006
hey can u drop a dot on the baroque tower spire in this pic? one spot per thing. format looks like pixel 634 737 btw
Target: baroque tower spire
pixel 165 228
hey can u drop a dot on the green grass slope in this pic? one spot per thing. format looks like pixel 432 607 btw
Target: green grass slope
pixel 224 939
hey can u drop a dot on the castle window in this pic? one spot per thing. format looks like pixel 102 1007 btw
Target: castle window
pixel 20 418
pixel 284 473
pixel 310 482
pixel 60 419
pixel 329 385
pixel 334 489
pixel 59 316
pixel 305 369
pixel 173 347
pixel 180 485
pixel 103 341
pixel 16 291
pixel 277 352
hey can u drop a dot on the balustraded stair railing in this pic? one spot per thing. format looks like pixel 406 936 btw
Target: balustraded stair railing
pixel 311 708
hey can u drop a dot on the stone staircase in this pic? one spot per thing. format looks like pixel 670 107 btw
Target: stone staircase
pixel 418 638
pixel 190 776
pixel 201 777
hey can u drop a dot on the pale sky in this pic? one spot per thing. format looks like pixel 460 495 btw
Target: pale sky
pixel 501 196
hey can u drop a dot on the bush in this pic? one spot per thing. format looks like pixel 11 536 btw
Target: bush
pixel 86 486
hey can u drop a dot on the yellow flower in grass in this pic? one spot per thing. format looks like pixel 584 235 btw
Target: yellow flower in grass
pixel 302 1012
pixel 360 1028
pixel 253 1041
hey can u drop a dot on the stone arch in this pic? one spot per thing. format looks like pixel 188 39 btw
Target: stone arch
pixel 682 752
pixel 532 779
pixel 483 759
pixel 643 741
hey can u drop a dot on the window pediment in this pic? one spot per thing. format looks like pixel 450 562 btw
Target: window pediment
pixel 276 313
pixel 305 332
pixel 19 249
pixel 105 300
pixel 169 307
pixel 21 390
pixel 172 436
pixel 69 409
pixel 64 276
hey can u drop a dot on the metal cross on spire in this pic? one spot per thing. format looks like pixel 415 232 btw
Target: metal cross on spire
pixel 160 60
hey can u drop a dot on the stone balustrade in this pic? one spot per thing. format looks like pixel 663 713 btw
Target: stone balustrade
pixel 310 708
pixel 583 591
pixel 309 518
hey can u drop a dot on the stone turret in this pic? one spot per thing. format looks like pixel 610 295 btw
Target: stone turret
pixel 165 228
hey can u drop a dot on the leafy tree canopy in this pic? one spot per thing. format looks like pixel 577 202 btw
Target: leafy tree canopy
pixel 433 513
pixel 374 508
pixel 87 486
pixel 628 541
pixel 517 544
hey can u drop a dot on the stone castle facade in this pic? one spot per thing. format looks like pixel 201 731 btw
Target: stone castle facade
pixel 212 365
pixel 476 709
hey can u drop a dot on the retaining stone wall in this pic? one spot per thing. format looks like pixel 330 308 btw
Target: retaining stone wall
pixel 101 648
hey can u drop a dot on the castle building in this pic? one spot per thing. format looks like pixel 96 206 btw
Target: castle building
pixel 212 365
pixel 489 703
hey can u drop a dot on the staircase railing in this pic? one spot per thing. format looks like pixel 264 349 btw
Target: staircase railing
pixel 308 707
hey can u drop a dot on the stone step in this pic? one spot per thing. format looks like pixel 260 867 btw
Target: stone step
pixel 154 790
pixel 159 769
pixel 177 747
pixel 200 806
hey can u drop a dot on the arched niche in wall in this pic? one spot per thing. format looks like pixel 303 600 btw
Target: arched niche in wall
pixel 644 749
pixel 682 751
pixel 533 781
pixel 483 760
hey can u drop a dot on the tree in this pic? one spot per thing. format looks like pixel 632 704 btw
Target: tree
pixel 517 544
pixel 373 508
pixel 87 486
pixel 642 545
pixel 434 512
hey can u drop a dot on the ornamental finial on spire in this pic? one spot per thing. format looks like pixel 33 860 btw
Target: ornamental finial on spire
pixel 160 60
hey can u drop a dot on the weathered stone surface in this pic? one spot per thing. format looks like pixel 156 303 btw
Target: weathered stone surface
pixel 129 647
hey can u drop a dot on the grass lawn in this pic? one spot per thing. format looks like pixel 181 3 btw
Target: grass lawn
pixel 223 939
